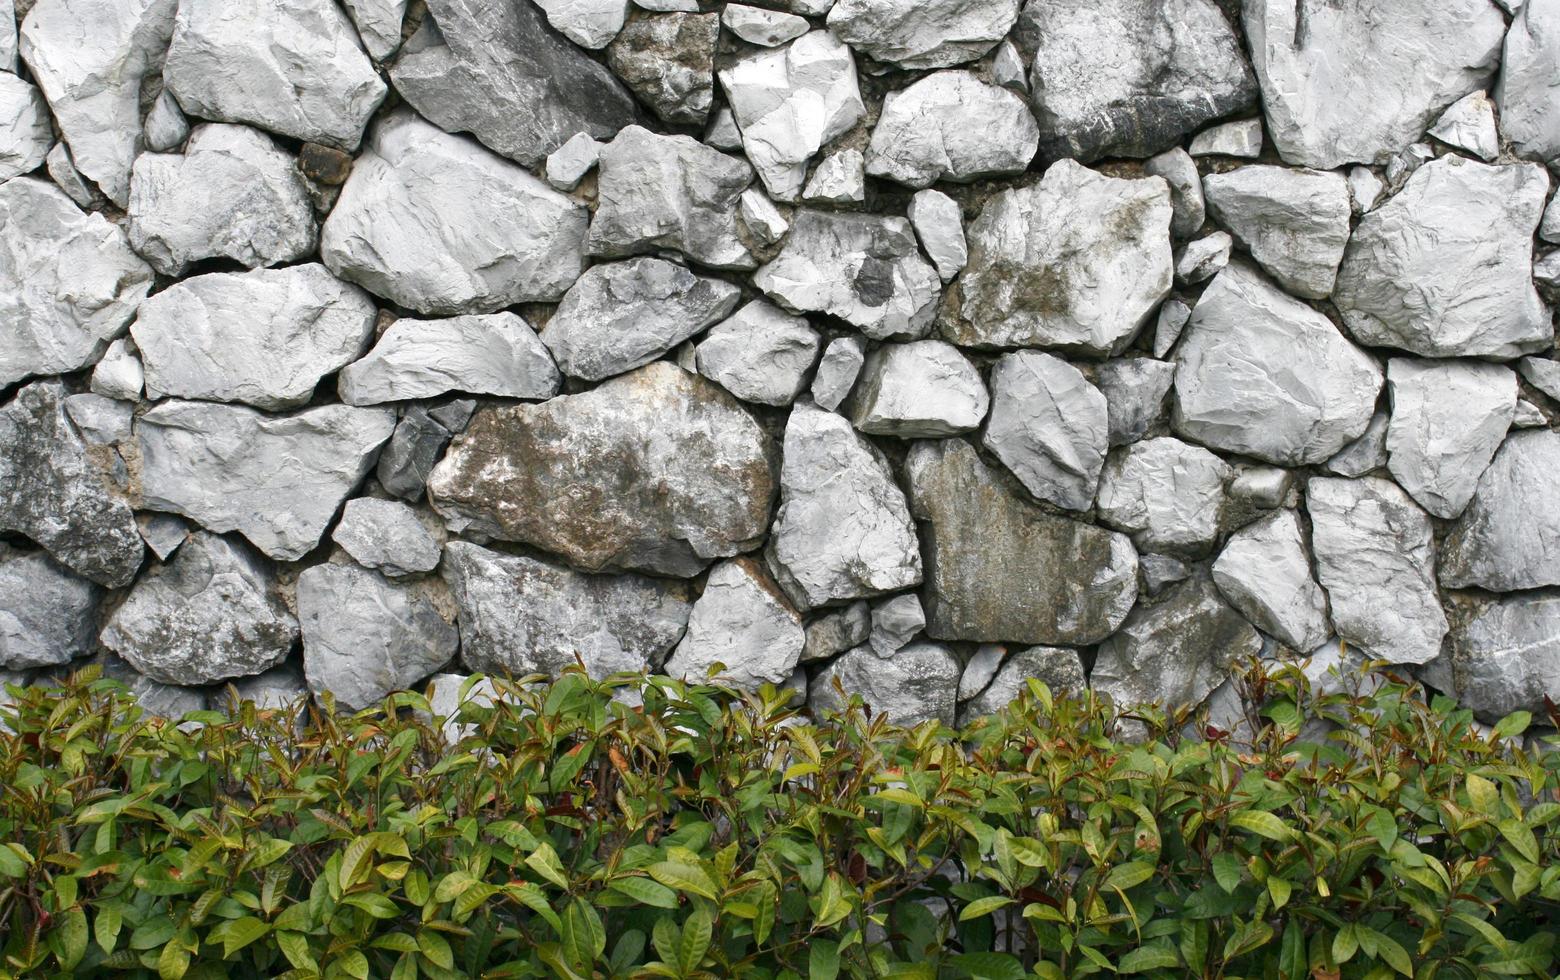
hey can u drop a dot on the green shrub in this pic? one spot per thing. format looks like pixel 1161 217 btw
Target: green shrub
pixel 715 835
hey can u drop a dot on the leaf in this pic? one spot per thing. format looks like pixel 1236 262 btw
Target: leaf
pixel 823 960
pixel 1482 795
pixel 1520 836
pixel 1146 958
pixel 295 946
pixel 667 939
pixel 1228 870
pixel 1263 824
pixel 1028 852
pixel 1382 827
pixel 983 906
pixel 110 918
pixel 354 964
pixel 242 932
pixel 269 852
pixel 11 863
pixel 988 966
pixel 1513 724
pixel 72 937
pixel 696 934
pixel 544 861
pixel 1130 875
pixel 684 877
pixel 374 904
pixel 1280 889
pixel 645 891
pixel 436 948
pixel 1344 944
pixel 174 961
pixel 584 937
pixel 355 861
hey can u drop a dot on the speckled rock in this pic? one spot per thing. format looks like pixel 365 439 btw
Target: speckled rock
pixel 951 126
pixel 1448 418
pixel 939 225
pixel 668 61
pixel 760 354
pixel 1505 655
pixel 1508 538
pixel 1134 390
pixel 48 616
pixel 1168 495
pixel 496 354
pixel 743 622
pixel 917 390
pixel 918 683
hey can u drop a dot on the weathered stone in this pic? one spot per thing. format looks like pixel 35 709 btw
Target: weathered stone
pixel 1261 487
pixel 166 126
pixel 658 470
pixel 588 23
pixel 1448 418
pixel 68 179
pixel 951 126
pixel 1078 261
pixel 840 179
pixel 1134 390
pixel 939 225
pixel 722 132
pixel 922 389
pixel 922 33
pixel 1048 425
pixel 1202 259
pixel 1375 558
pixel 62 493
pixel 1168 495
pixel 1405 163
pixel 862 268
pixel 1549 227
pixel 569 163
pixel 1295 223
pixel 522 616
pixel 364 637
pixel 265 337
pixel 405 226
pixel 1262 374
pixel 765 28
pixel 894 622
pixel 760 354
pixel 1365 189
pixel 1357 82
pixel 1456 221
pixel 1529 79
pixel 1187 207
pixel 760 217
pixel 8 35
pixel 1505 655
pixel 1528 416
pixel 163 533
pixel 409 457
pixel 25 134
pixel 496 354
pixel 379 24
pixel 48 616
pixel 980 669
pixel 278 689
pixel 1265 573
pixel 1241 138
pixel 668 61
pixel 277 480
pixel 743 622
pixel 1058 668
pixel 449 693
pixel 101 421
pixel 1003 570
pixel 837 371
pixel 843 530
pixel 1008 69
pixel 1368 452
pixel 1173 316
pixel 1508 538
pixel 386 535
pixel 211 613
pixel 1542 373
pixel 158 700
pixel 293 67
pixel 1161 571
pixel 917 684
pixel 1470 125
pixel 837 631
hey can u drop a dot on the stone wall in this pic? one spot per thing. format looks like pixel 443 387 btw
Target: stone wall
pixel 921 346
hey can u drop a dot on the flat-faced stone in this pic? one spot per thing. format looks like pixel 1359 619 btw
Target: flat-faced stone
pixel 25 134
pixel 922 33
pixel 1167 494
pixel 1294 223
pixel 760 354
pixel 922 389
pixel 1049 426
pixel 917 684
pixel 493 354
pixel 743 622
pixel 1265 573
pixel 1508 538
pixel 951 126
pixel 48 616
pixel 1505 655
pixel 386 535
pixel 1448 418
pixel 1134 390
pixel 1530 66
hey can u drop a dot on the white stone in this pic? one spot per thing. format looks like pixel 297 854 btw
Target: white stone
pixel 766 28
pixel 895 621
pixel 163 533
pixel 1529 89
pixel 1368 452
pixel 65 176
pixel 761 218
pixel 589 23
pixel 48 616
pixel 760 354
pixel 1179 170
pixel 1058 668
pixel 1240 138
pixel 922 33
pixel 102 421
pixel 840 179
pixel 118 373
pixel 1295 223
pixel 1008 69
pixel 742 622
pixel 951 126
pixel 836 631
pixel 1528 416
pixel 386 535
pixel 569 163
pixel 1167 494
pixel 25 133
pixel 923 389
pixel 1470 125
pixel 1549 228
pixel 1509 536
pixel 1202 259
pixel 1542 373
pixel 494 354
pixel 837 372
pixel 1448 418
pixel 166 125
pixel 722 132
pixel 1505 656
pixel 379 24
pixel 1265 574
pixel 1173 316
pixel 917 684
pixel 1365 189
pixel 939 224
pixel 1048 425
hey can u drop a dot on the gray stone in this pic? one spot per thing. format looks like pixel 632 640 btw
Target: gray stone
pixel 364 637
pixel 836 631
pixel 840 179
pixel 1262 374
pixel 951 126
pixel 1173 316
pixel 163 533
pixel 1187 207
pixel 496 354
pixel 1505 655
pixel 101 421
pixel 765 28
pixel 568 164
pixel 623 315
pixel 1078 261
pixel 8 36
pixel 760 354
pixel 48 616
pixel 1404 164
pixel 386 535
pixel 1202 259
pixel 1375 558
pixel 980 669
pixel 917 684
pixel 1529 78
pixel 68 179
pixel 1262 487
pixel 837 371
pixel 1048 425
pixel 1295 223
pixel 1542 373
pixel 1161 571
pixel 62 493
pixel 25 134
pixel 1265 573
pixel 166 125
pixel 1509 536
pixel 668 61
pixel 895 621
pixel 158 700
pixel 1528 416
pixel 265 337
pixel 522 616
pixel 862 268
pixel 448 693
pixel 922 389
pixel 411 454
pixel 379 24
pixel 1134 390
pixel 589 23
pixel 1549 227
pixel 669 192
pixel 922 33
pixel 278 689
pixel 760 217
pixel 1168 495
pixel 1008 69
pixel 278 480
pixel 843 530
pixel 1470 125
pixel 1003 570
pixel 403 226
pixel 1448 418
pixel 1240 138
pixel 743 622
pixel 293 67
pixel 1058 668
pixel 1546 271
pixel 939 225
pixel 1456 221
pixel 1357 82
pixel 1365 189
pixel 658 470
pixel 1368 452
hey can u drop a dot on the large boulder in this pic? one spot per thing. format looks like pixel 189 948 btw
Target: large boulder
pixel 493 354
pixel 1508 538
pixel 1048 425
pixel 951 126
pixel 917 34
pixel 1529 89
pixel 743 622
pixel 1448 418
pixel 1295 223
pixel 1265 572
pixel 48 615
pixel 915 684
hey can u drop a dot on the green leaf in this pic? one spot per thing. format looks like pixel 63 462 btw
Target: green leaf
pixel 1228 870
pixel 295 946
pixel 1345 944
pixel 684 877
pixel 110 918
pixel 1146 958
pixel 241 932
pixel 354 964
pixel 1520 836
pixel 584 937
pixel 988 966
pixel 174 961
pixel 11 863
pixel 355 860
pixel 1483 795
pixel 645 891
pixel 72 937
pixel 1279 889
pixel 984 906
pixel 1383 827
pixel 1513 724
pixel 696 934
pixel 1028 852
pixel 1130 875
pixel 374 904
pixel 436 948
pixel 544 861
pixel 667 939
pixel 823 960
pixel 1262 824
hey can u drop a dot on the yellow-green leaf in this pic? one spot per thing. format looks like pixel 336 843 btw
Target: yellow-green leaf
pixel 983 906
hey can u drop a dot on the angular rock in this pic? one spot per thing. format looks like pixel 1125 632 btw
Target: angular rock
pixel 1528 416
pixel 837 371
pixel 1202 259
pixel 917 34
pixel 1003 570
pixel 1262 487
pixel 658 470
pixel 8 36
pixel 922 389
pixel 1262 374
pixel 101 421
pixel 404 226
pixel 1542 373
pixel 668 61
pixel 761 218
pixel 1368 452
pixel 379 24
pixel 569 163
pixel 837 631
pixel 743 622
pixel 894 622
pixel 48 616
pixel 766 28
pixel 1295 223
pixel 265 337
pixel 1509 536
pixel 980 669
pixel 1365 189
pixel 65 176
pixel 589 23
pixel 1505 655
pixel 1058 668
pixel 1448 418
pixel 1240 138
pixel 278 689
pixel 1375 558
pixel 277 480
pixel 411 454
pixel 210 614
pixel 1161 571
pixel 496 354
pixel 939 225
pixel 1048 425
pixel 169 701
pixel 1134 390
pixel 25 134
pixel 1402 166
pixel 917 684
pixel 1529 78
pixel 386 535
pixel 167 127
pixel 1078 261
pixel 1470 125
pixel 843 530
pixel 1265 573
pixel 722 132
pixel 292 67
pixel 1168 495
pixel 1187 207
pixel 840 179
pixel 760 354
pixel 1008 69
pixel 951 126
pixel 163 533
pixel 1167 329
pixel 1455 222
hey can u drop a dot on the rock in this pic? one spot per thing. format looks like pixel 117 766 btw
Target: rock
pixel 62 493
pixel 1161 571
pixel 166 125
pixel 1448 418
pixel 840 179
pixel 1528 416
pixel 765 28
pixel 1549 227
pixel 1365 189
pixel 836 631
pixel 1241 138
pixel 1265 573
pixel 1456 221
pixel 951 126
pixel 939 225
pixel 623 315
pixel 1355 83
pixel 658 470
pixel 278 689
pixel 589 23
pixel 68 282
pixel 1058 668
pixel 668 61
pixel 669 192
pixel 364 637
pixel 92 78
pixel 1505 655
pixel 1543 374
pixel 522 616
pixel 1529 117
pixel 65 176
pixel 1167 329
pixel 760 354
pixel 980 669
pixel 1003 570
pixel 386 535
pixel 163 533
pixel 48 616
pixel 932 34
pixel 789 102
pixel 1261 487
pixel 25 134
pixel 1368 452
pixel 8 36
pixel 402 226
pixel 917 684
pixel 1402 166
pixel 1176 651
pixel 496 354
pixel 1134 390
pixel 1008 69
pixel 1375 558
pixel 379 24
pixel 1546 271
pixel 212 613
pixel 292 67
pixel 843 530
pixel 922 389
pixel 722 132
pixel 277 480
pixel 1049 426
pixel 862 268
pixel 1295 223
pixel 324 166
pixel 761 218
pixel 1202 259
pixel 1078 261
pixel 1509 536
pixel 837 371
pixel 894 622
pixel 101 421
pixel 742 622
pixel 1261 374
pixel 1131 77
pixel 1470 125
pixel 569 163
pixel 417 445
pixel 1168 495
pixel 1179 170
pixel 168 701
pixel 265 337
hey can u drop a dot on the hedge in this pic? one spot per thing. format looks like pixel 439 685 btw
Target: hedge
pixel 713 834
